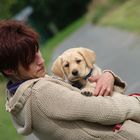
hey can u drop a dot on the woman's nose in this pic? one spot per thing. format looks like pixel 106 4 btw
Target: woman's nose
pixel 40 60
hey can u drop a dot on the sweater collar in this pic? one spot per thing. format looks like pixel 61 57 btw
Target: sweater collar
pixel 12 87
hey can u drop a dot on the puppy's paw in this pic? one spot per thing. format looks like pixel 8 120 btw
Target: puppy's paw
pixel 86 92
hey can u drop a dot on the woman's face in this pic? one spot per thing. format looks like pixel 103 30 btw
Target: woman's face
pixel 36 68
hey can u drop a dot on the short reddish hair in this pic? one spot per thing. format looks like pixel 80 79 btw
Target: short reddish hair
pixel 18 44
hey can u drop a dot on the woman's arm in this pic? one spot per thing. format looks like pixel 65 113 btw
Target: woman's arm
pixel 59 102
pixel 107 83
pixel 119 84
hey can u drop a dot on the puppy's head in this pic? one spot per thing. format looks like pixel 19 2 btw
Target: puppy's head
pixel 74 64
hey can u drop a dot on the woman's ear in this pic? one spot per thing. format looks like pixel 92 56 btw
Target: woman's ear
pixel 8 72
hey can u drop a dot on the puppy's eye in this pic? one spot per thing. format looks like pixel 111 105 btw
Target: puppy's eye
pixel 66 65
pixel 78 61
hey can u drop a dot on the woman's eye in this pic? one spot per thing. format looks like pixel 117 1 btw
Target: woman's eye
pixel 66 65
pixel 78 61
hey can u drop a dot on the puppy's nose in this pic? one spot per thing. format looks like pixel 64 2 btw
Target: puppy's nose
pixel 75 72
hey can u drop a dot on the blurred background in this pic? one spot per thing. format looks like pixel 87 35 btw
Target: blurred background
pixel 55 21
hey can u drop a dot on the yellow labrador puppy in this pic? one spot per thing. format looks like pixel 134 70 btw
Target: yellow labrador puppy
pixel 75 66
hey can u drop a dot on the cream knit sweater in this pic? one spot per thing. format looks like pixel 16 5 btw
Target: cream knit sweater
pixel 54 110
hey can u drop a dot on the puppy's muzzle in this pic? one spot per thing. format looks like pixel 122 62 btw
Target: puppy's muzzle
pixel 75 73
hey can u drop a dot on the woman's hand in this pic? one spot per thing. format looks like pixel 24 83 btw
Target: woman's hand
pixel 104 84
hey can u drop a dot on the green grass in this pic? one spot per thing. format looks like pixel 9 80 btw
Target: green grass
pixel 125 16
pixel 7 131
pixel 49 47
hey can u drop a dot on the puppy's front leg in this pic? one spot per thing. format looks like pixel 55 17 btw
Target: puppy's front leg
pixel 88 90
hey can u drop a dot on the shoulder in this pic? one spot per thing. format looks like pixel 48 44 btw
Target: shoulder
pixel 53 83
pixel 49 87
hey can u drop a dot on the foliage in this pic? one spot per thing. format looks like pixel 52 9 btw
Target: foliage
pixel 118 1
pixel 99 13
pixel 119 13
pixel 1 78
pixel 7 131
pixel 64 12
pixel 99 8
pixel 50 15
pixel 125 16
pixel 5 6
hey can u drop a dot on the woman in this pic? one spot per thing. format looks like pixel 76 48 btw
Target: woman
pixel 52 109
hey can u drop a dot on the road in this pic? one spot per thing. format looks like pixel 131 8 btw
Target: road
pixel 115 49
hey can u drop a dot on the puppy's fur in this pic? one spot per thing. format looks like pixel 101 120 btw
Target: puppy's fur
pixel 75 66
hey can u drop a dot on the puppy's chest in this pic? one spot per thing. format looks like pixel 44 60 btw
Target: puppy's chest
pixel 79 84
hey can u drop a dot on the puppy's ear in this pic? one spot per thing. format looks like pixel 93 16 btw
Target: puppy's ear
pixel 57 68
pixel 88 55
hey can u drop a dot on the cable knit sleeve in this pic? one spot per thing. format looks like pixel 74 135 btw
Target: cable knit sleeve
pixel 59 102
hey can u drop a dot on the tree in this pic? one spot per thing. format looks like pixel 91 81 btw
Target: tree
pixel 5 6
pixel 51 15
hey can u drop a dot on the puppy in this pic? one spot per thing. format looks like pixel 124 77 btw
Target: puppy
pixel 75 66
